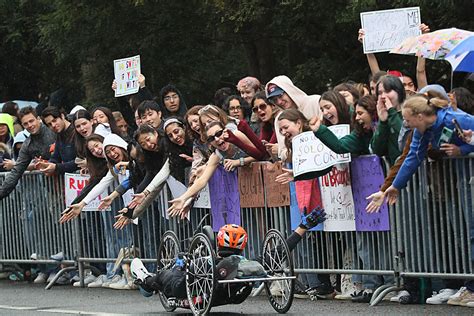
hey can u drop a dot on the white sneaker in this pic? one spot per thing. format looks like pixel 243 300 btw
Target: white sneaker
pixel 138 270
pixel 400 294
pixel 456 298
pixel 123 284
pixel 41 278
pixel 441 298
pixel 115 279
pixel 87 280
pixel 98 281
pixel 470 304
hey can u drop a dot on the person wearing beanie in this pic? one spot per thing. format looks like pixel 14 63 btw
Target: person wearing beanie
pixel 114 149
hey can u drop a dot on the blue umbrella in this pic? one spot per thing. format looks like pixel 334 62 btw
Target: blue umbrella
pixel 461 57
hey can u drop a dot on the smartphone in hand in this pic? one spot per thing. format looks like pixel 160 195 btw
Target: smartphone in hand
pixel 446 135
pixel 458 130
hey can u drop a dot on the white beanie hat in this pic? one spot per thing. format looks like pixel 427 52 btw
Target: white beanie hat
pixel 114 140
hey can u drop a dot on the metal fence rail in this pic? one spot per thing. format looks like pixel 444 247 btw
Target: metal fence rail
pixel 432 229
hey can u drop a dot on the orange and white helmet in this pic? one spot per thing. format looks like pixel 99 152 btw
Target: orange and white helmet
pixel 232 236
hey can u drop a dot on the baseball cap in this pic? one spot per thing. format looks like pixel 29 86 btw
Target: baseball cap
pixel 273 91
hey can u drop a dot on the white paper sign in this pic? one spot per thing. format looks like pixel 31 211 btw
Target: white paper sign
pixel 126 71
pixel 338 202
pixel 310 154
pixel 74 183
pixel 203 200
pixel 387 28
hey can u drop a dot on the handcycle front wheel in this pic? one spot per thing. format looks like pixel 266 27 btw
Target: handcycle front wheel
pixel 167 253
pixel 200 275
pixel 277 262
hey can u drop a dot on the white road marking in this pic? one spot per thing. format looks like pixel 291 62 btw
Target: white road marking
pixel 59 311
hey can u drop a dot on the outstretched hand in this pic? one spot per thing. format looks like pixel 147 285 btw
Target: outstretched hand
pixel 106 202
pixel 392 195
pixel 121 219
pixel 71 212
pixel 137 200
pixel 285 177
pixel 376 202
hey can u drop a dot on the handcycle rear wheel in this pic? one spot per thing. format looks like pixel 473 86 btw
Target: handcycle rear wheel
pixel 278 262
pixel 200 275
pixel 169 249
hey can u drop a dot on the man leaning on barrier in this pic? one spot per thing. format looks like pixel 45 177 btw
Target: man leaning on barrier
pixel 35 147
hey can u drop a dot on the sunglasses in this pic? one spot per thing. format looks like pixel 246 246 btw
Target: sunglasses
pixel 216 135
pixel 261 107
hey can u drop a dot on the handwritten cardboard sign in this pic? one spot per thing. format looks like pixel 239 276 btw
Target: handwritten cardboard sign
pixel 126 71
pixel 367 177
pixel 336 193
pixel 276 194
pixel 74 183
pixel 386 29
pixel 251 186
pixel 310 154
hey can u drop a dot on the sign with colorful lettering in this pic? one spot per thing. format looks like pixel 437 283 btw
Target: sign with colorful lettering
pixel 310 154
pixel 126 71
pixel 336 193
pixel 367 178
pixel 74 183
pixel 386 29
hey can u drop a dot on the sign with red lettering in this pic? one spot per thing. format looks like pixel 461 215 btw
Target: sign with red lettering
pixel 336 193
pixel 74 183
pixel 126 71
pixel 310 154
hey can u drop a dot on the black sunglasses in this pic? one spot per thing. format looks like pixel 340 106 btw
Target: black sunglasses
pixel 216 135
pixel 261 107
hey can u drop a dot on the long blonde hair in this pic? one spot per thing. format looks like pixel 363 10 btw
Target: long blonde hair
pixel 422 104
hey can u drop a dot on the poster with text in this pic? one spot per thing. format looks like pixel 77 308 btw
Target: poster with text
pixel 203 200
pixel 367 178
pixel 126 71
pixel 225 199
pixel 251 186
pixel 310 154
pixel 74 183
pixel 386 29
pixel 336 193
pixel 276 194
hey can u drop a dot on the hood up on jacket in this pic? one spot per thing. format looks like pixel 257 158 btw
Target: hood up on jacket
pixel 307 104
pixel 7 119
pixel 182 104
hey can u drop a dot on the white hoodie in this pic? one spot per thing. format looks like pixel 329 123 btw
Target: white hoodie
pixel 307 104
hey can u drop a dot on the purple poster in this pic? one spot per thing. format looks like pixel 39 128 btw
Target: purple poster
pixel 225 199
pixel 367 178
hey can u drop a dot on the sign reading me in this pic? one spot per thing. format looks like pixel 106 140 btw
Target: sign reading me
pixel 386 29
pixel 310 154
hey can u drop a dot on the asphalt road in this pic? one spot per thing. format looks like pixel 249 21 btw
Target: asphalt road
pixel 20 298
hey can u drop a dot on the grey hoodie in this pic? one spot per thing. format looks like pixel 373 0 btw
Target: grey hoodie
pixel 34 146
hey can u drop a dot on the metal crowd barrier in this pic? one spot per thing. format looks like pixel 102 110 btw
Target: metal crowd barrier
pixel 432 230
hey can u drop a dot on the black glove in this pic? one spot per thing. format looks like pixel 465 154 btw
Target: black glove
pixel 317 216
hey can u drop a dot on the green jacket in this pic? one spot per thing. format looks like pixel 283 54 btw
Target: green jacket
pixel 385 139
pixel 352 143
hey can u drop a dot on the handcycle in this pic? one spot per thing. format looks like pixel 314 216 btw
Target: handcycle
pixel 204 289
